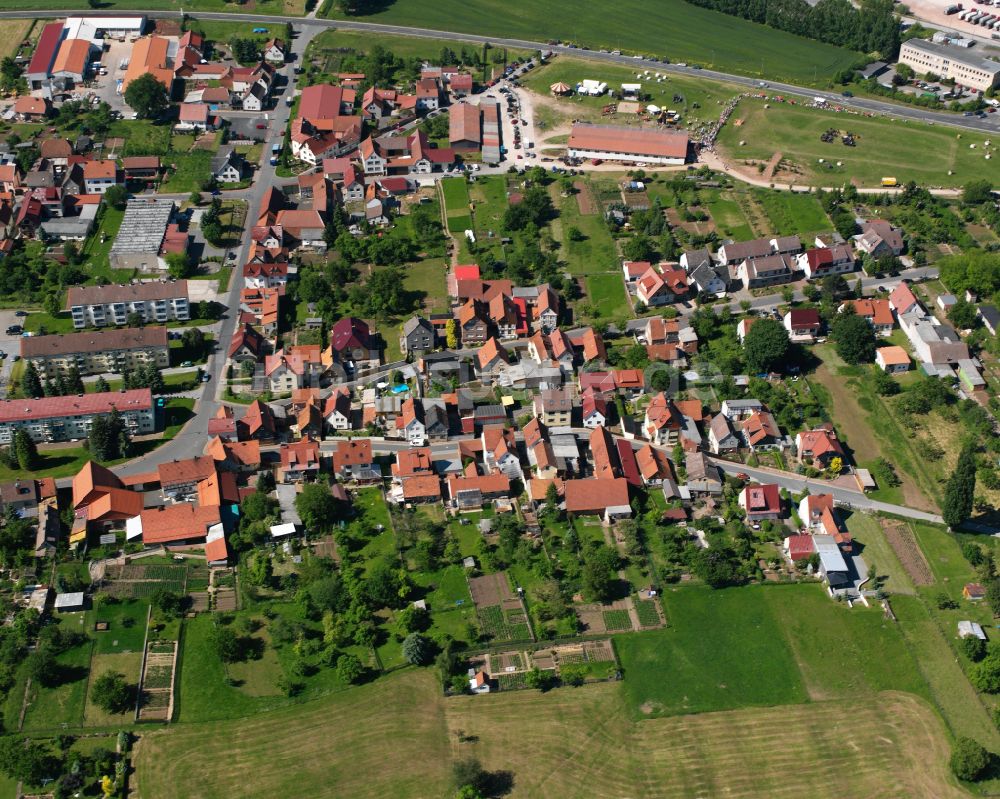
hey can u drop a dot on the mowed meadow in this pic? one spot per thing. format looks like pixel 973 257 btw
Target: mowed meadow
pixel 744 687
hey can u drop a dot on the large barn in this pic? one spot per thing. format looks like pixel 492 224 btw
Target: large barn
pixel 635 145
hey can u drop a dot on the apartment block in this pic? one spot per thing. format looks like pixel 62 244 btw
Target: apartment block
pixel 106 306
pixel 97 352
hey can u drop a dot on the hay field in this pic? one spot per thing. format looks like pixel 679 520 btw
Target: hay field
pixel 398 737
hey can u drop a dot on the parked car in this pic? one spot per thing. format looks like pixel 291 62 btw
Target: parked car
pixel 20 313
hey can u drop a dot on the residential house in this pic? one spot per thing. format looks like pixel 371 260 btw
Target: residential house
pixel 710 280
pixel 802 324
pixel 196 117
pixel 722 438
pixel 769 270
pixel 473 323
pixel 418 336
pixel 877 312
pixel 472 491
pixel 337 410
pixel 892 359
pixel 227 166
pixel 735 253
pixel 692 259
pixel 879 238
pixel 761 502
pixel 499 447
pixel 760 431
pixel 818 514
pixel 903 301
pixel 663 421
pixel 99 176
pixel 353 345
pixel 703 476
pixel 633 270
pixel 353 461
pixel 653 465
pixel 491 361
pixel 594 408
pixel 554 407
pixel 819 446
pixel 410 423
pixel 607 497
pixel 274 51
pixel 258 423
pixel 298 461
pixel 820 262
pixel 247 345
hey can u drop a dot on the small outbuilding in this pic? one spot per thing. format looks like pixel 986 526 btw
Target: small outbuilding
pixel 966 629
pixel 71 602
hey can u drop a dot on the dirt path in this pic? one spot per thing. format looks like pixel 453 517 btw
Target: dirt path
pixel 904 544
pixel 771 166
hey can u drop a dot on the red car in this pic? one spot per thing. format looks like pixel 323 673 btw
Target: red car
pixel 742 476
pixel 261 126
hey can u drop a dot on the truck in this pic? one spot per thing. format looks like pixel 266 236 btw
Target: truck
pixel 275 152
pixel 889 182
pixel 819 100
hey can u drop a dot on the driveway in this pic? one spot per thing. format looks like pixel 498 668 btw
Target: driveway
pixel 9 344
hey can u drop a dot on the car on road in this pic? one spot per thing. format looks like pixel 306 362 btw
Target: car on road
pixel 205 378
pixel 261 126
pixel 15 330
pixel 2 355
pixel 742 476
pixel 20 313
pixel 187 364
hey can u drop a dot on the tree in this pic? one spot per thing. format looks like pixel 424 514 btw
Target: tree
pixel 195 198
pixel 42 666
pixel 168 603
pixel 417 649
pixel 960 490
pixel 969 760
pixel 719 567
pixel 974 648
pixel 766 346
pixel 977 192
pixel 468 773
pixel 10 74
pixel 226 643
pixel 245 51
pixel 74 381
pixel 599 573
pixel 25 760
pixel 316 507
pixel 147 97
pixel 31 383
pixel 985 675
pixel 110 692
pixel 638 248
pixel 349 669
pixel 25 450
pixel 117 197
pixel 451 334
pixel 179 265
pixel 963 315
pixel 853 336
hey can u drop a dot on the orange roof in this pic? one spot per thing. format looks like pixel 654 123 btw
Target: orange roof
pixel 893 356
pixel 218 489
pixel 691 409
pixel 596 494
pixel 304 452
pixel 422 486
pixel 652 463
pixel 217 549
pixel 100 169
pixel 876 311
pixel 616 139
pixel 92 480
pixel 244 453
pixel 489 352
pixel 538 487
pixel 149 54
pixel 601 447
pixel 190 470
pixel 72 57
pixel 178 522
pixel 352 453
pixel 412 461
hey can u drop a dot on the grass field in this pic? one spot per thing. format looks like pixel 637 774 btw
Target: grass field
pixel 607 294
pixel 401 46
pixel 456 204
pixel 671 28
pixel 285 7
pixel 743 662
pixel 127 663
pixel 596 252
pixel 579 743
pixel 303 749
pixel 793 214
pixel 729 217
pixel 12 33
pixel 904 150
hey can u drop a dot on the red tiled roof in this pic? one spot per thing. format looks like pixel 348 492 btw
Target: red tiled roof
pixel 596 494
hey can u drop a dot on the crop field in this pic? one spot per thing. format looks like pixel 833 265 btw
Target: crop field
pixel 283 7
pixel 670 28
pixel 885 148
pixel 646 611
pixel 616 621
pixel 136 581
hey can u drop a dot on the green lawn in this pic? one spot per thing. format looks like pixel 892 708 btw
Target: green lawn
pixel 885 147
pixel 724 649
pixel 729 217
pixel 187 171
pixel 426 280
pixel 596 252
pixel 670 28
pixel 456 203
pixel 51 708
pixel 141 137
pixel 607 294
pixel 793 214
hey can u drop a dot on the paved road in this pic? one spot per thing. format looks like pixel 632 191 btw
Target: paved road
pixel 768 302
pixel 191 441
pixel 796 483
pixel 309 27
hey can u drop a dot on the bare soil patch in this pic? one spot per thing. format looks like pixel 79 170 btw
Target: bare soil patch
pixel 491 589
pixel 904 544
pixel 584 199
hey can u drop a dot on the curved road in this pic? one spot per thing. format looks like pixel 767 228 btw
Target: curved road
pixel 313 26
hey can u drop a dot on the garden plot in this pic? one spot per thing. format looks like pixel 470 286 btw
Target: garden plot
pixel 502 616
pixel 136 581
pixel 611 618
pixel 156 686
pixel 904 544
